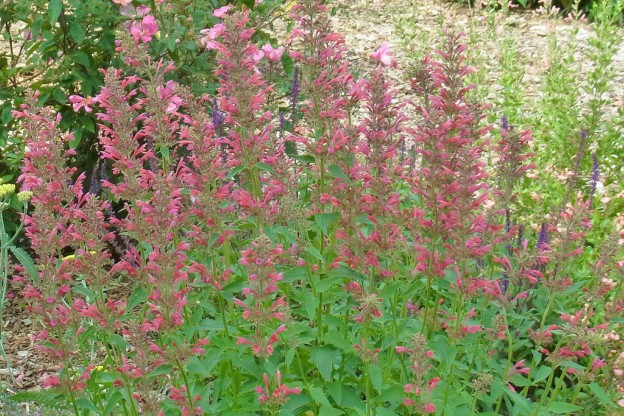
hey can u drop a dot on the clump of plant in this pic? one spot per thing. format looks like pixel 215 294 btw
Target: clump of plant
pixel 310 261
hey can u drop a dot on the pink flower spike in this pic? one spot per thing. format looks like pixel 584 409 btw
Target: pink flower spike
pixel 221 12
pixel 383 55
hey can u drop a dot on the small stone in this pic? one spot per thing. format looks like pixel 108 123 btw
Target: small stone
pixel 539 30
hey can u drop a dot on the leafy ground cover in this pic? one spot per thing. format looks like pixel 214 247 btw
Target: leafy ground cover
pixel 306 241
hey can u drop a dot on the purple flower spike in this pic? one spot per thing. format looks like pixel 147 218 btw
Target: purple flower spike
pixel 505 123
pixel 543 236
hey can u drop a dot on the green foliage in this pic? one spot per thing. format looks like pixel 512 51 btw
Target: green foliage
pixel 58 47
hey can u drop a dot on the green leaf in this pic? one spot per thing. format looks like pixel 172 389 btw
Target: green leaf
pixel 161 370
pixel 248 3
pixel 86 404
pixel 325 284
pixel 542 372
pixel 77 32
pixel 112 401
pixel 83 290
pixel 164 152
pixel 49 398
pixel 287 64
pixel 59 96
pixel 26 261
pixel 203 367
pixel 319 397
pixel 54 11
pixel 559 408
pixel 602 395
pixel 518 380
pixel 265 167
pixel 324 219
pixel 81 58
pixel 376 376
pixel 335 338
pixel 335 390
pixel 522 404
pixel 336 172
pixel 323 358
pixel 385 412
pixel 393 394
pixel 313 251
pixel 7 115
pixel 329 411
pixel 139 295
pixel 238 169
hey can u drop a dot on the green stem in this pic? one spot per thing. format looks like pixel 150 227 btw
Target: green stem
pixel 546 390
pixel 189 397
pixel 223 318
pixel 4 258
pixel 551 297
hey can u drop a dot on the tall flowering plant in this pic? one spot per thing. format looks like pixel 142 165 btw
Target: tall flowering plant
pixel 222 259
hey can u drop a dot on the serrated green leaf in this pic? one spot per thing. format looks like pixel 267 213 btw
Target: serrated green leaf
pixel 238 169
pixel 48 398
pixel 203 367
pixel 336 172
pixel 248 3
pixel 7 115
pixel 393 394
pixel 112 400
pixel 542 372
pixel 287 64
pixel 164 152
pixel 83 290
pixel 319 396
pixel 54 11
pixel 559 408
pixel 59 96
pixel 161 369
pixel 376 376
pixel 329 411
pixel 335 338
pixel 325 284
pixel 602 395
pixel 85 404
pixel 313 251
pixel 81 58
pixel 335 391
pixel 324 219
pixel 385 412
pixel 26 261
pixel 139 295
pixel 265 167
pixel 323 358
pixel 77 32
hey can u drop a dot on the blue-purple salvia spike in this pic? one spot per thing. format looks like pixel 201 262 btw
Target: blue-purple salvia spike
pixel 543 236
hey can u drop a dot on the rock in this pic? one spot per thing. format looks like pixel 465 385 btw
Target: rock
pixel 539 30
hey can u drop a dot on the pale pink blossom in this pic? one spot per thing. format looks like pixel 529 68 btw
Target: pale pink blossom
pixel 271 53
pixel 122 2
pixel 221 12
pixel 383 55
pixel 79 102
pixel 145 29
